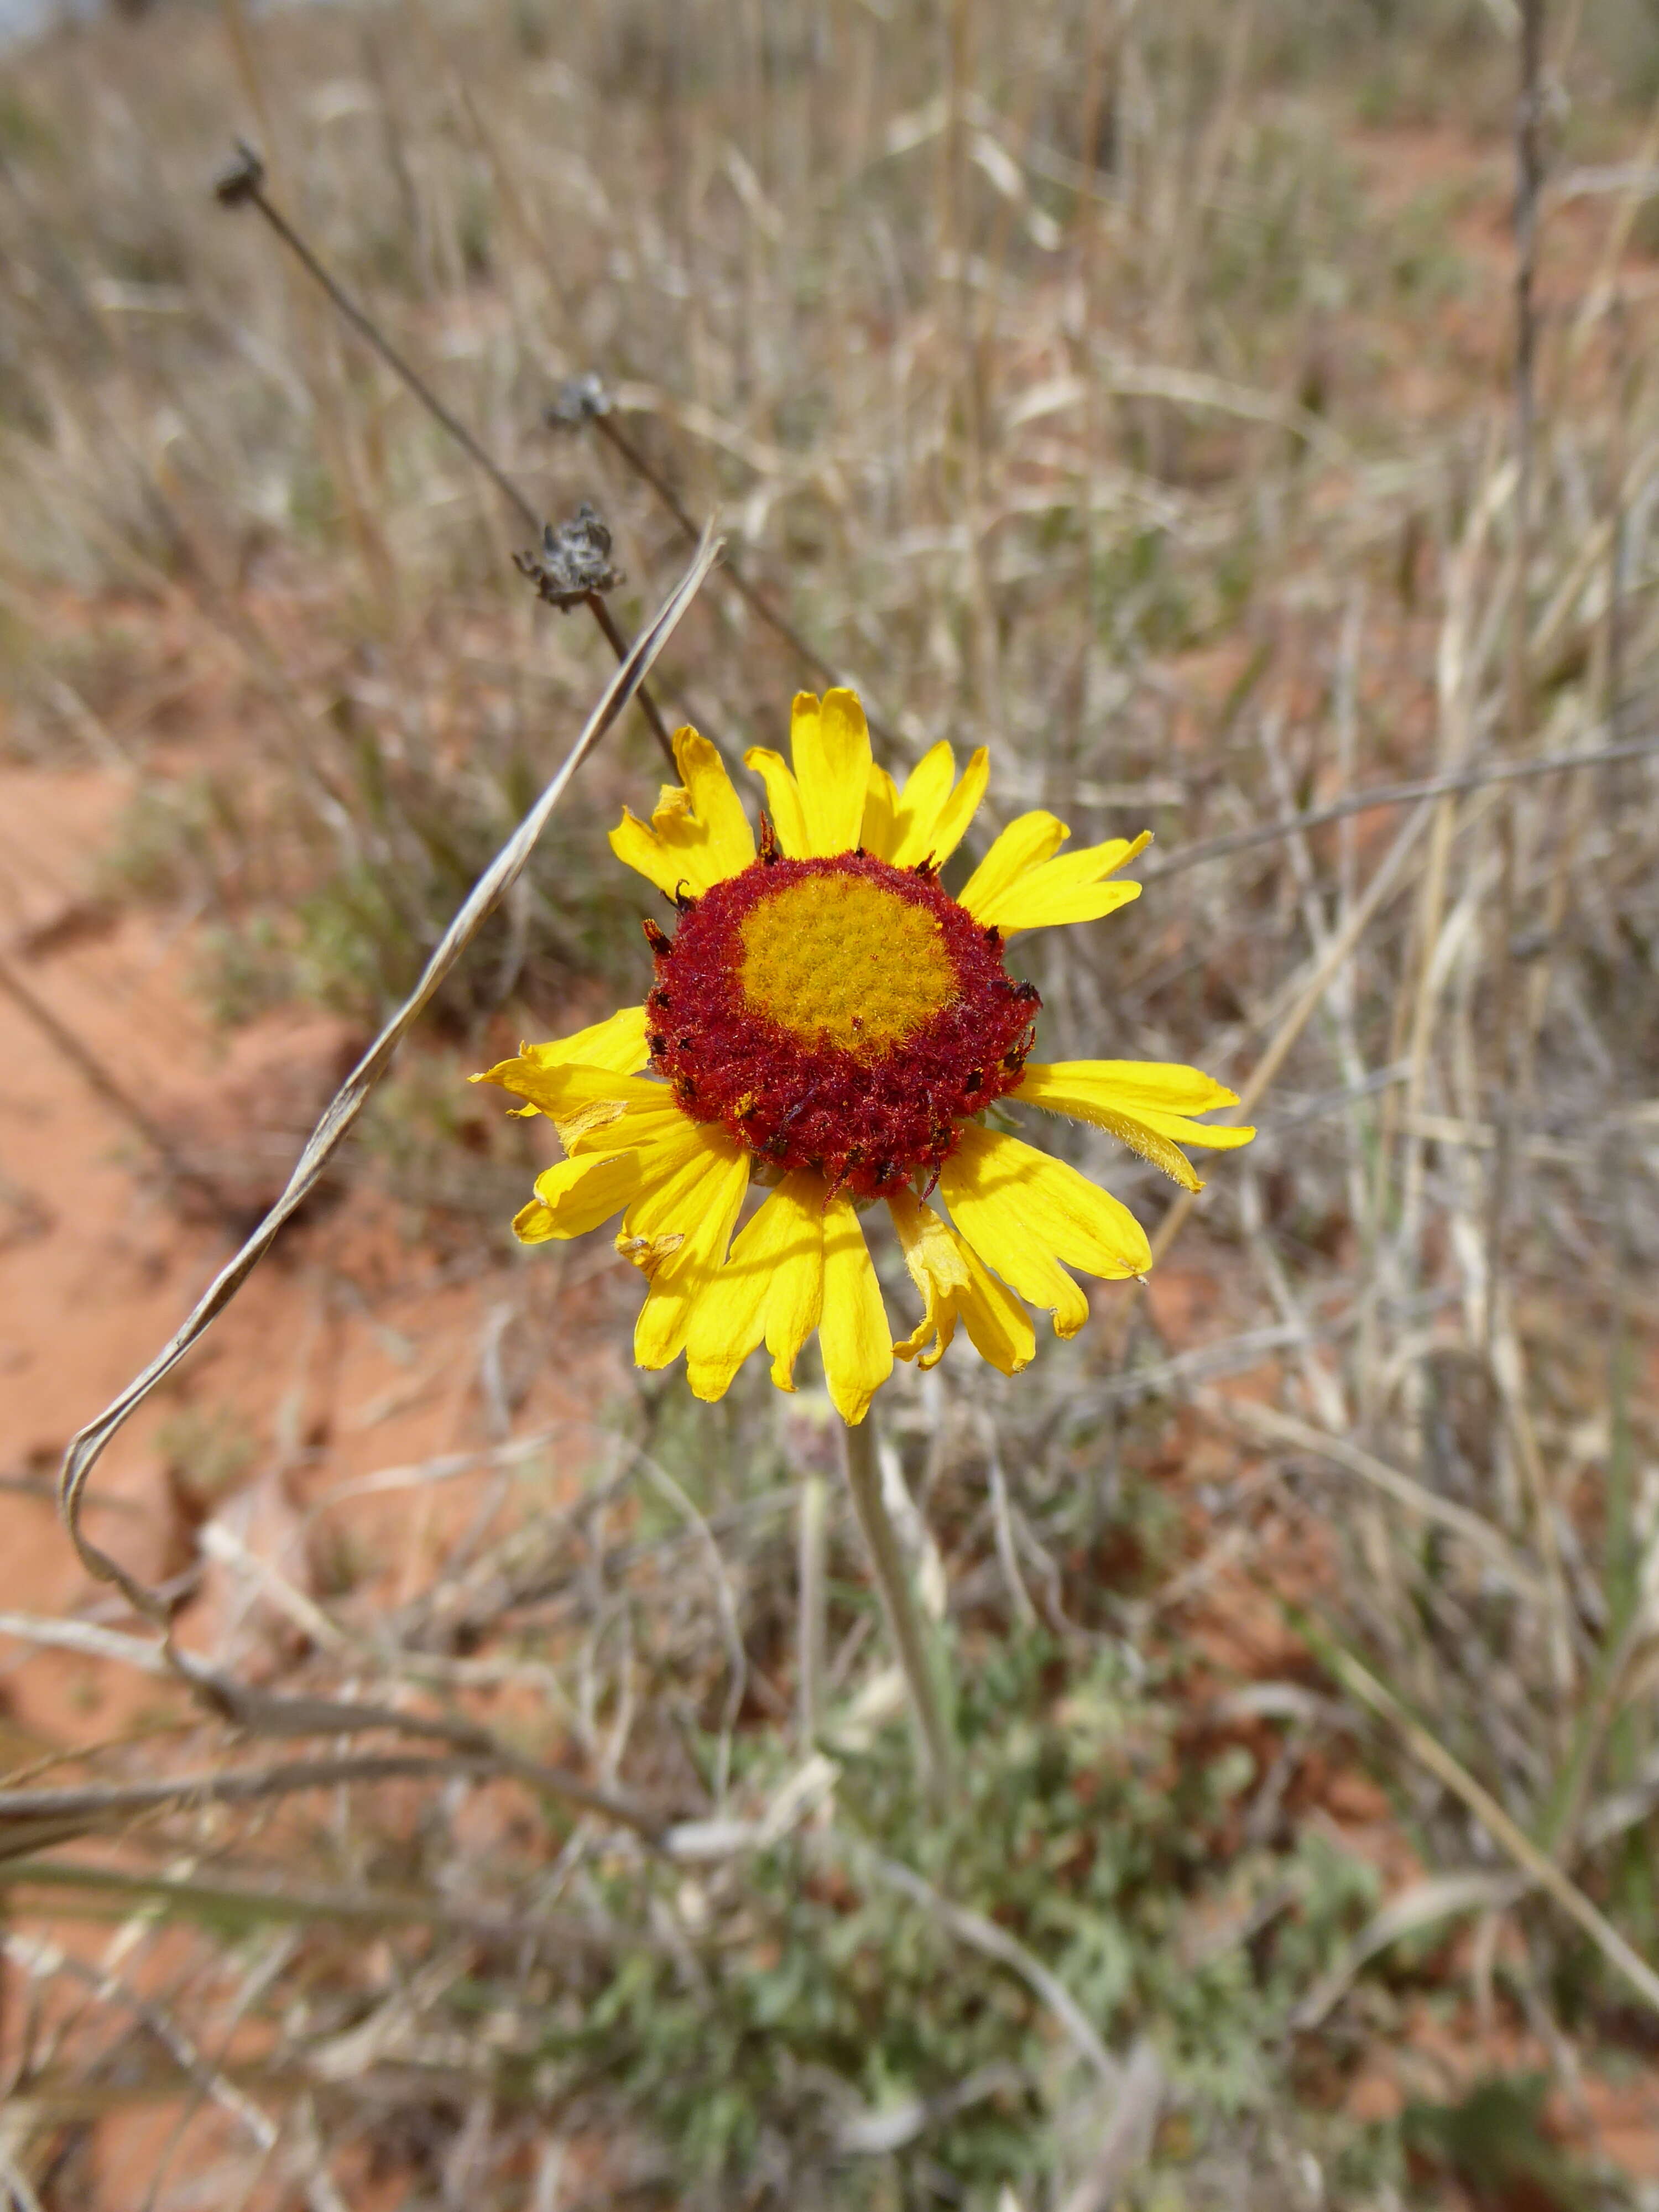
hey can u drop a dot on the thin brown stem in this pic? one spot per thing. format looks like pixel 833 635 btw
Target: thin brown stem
pixel 246 183
pixel 618 645
pixel 648 472
pixel 76 1810
pixel 1394 794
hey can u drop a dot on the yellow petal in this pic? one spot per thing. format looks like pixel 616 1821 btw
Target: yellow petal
pixel 1162 1095
pixel 938 1269
pixel 999 1328
pixel 1024 844
pixel 698 1204
pixel 1023 1213
pixel 853 1334
pixel 637 845
pixel 619 1043
pixel 659 1132
pixel 936 1327
pixel 1158 1151
pixel 880 832
pixel 925 790
pixel 669 1202
pixel 1038 1087
pixel 932 818
pixel 648 1253
pixel 566 1086
pixel 698 834
pixel 1072 888
pixel 730 841
pixel 782 800
pixel 1092 864
pixel 771 1287
pixel 829 744
pixel 683 837
pixel 960 808
pixel 1035 904
pixel 957 1285
pixel 795 1305
pixel 577 1195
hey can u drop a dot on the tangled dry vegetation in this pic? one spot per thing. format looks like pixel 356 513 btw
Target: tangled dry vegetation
pixel 1128 389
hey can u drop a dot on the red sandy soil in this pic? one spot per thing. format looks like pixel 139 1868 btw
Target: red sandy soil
pixel 348 1351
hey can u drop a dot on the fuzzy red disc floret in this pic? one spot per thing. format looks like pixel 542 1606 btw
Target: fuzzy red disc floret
pixel 868 1121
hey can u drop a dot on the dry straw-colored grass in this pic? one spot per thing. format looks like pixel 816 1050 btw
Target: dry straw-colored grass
pixel 1133 390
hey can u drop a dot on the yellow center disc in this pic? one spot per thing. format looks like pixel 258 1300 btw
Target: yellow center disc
pixel 845 961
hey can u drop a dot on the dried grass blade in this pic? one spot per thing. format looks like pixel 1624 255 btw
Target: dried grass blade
pixel 1268 1424
pixel 1430 1751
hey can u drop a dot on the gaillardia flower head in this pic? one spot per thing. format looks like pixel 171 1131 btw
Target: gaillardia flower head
pixel 827 1020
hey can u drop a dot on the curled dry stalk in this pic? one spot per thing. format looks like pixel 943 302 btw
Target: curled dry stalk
pixel 861 1458
pixel 330 1131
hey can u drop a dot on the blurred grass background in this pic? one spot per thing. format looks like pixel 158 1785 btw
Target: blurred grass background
pixel 1130 389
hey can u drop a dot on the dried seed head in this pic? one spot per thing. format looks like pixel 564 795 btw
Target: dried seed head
pixel 574 562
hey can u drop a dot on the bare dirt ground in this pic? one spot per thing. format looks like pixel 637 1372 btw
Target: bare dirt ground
pixel 354 1350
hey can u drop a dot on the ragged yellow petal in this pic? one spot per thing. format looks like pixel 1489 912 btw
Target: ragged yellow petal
pixel 829 744
pixel 698 1204
pixel 657 1130
pixel 1157 1150
pixel 1039 1086
pixel 938 1269
pixel 685 850
pixel 637 846
pixel 853 1334
pixel 698 834
pixel 879 831
pixel 782 800
pixel 1025 844
pixel 771 1287
pixel 956 1285
pixel 557 1087
pixel 1069 888
pixel 931 1253
pixel 617 1043
pixel 649 1254
pixel 1161 1095
pixel 729 841
pixel 577 1195
pixel 1024 1214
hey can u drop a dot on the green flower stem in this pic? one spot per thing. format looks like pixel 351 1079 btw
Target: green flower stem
pixel 898 1603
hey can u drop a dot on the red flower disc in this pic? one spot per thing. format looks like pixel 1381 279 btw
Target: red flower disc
pixel 839 1014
